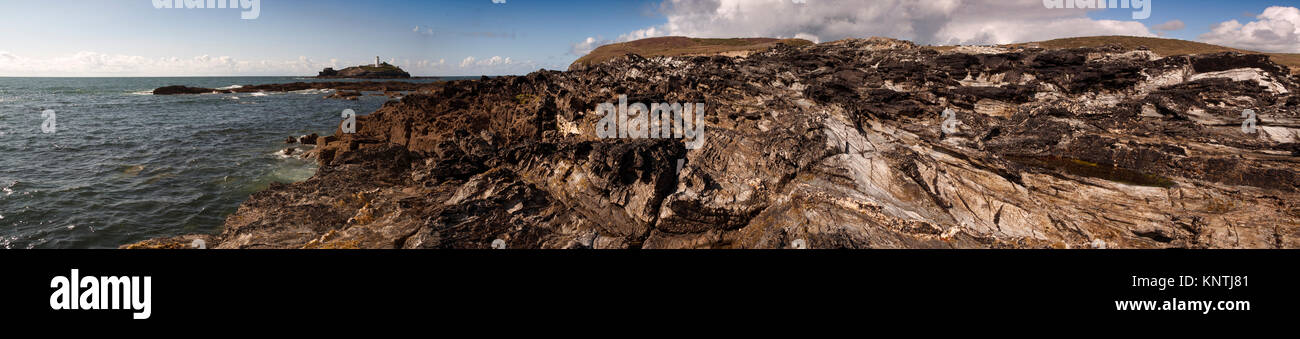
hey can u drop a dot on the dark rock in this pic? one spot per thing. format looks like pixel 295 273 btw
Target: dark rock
pixel 322 141
pixel 834 145
pixel 309 139
pixel 173 90
pixel 382 71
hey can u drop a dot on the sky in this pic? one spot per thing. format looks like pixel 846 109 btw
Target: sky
pixel 506 37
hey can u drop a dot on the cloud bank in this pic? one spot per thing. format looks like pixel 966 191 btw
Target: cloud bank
pixel 925 22
pixel 1275 30
pixel 94 64
pixel 88 63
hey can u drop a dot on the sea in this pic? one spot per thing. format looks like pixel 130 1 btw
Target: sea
pixel 115 164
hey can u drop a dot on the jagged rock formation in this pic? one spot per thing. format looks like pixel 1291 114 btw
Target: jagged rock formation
pixel 1161 46
pixel 835 145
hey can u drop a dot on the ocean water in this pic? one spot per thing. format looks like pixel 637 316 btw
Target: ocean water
pixel 124 166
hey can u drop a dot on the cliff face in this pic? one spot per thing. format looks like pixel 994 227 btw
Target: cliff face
pixel 834 145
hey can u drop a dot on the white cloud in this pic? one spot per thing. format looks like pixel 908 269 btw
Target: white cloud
pixel 423 66
pixel 586 46
pixel 927 22
pixel 1276 30
pixel 641 34
pixel 591 43
pixel 495 65
pixel 426 31
pixel 809 37
pixel 493 61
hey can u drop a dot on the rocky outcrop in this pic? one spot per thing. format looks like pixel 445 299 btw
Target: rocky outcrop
pixel 836 145
pixel 309 139
pixel 174 90
pixel 381 71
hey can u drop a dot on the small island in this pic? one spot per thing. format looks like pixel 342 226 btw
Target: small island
pixel 380 70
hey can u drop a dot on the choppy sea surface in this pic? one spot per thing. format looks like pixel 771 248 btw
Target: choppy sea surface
pixel 122 165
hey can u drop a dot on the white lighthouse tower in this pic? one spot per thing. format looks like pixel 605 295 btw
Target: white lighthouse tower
pixel 376 61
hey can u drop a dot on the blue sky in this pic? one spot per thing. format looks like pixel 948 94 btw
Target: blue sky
pixel 1198 15
pixel 297 37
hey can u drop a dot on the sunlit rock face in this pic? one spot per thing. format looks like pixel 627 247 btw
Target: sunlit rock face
pixel 835 145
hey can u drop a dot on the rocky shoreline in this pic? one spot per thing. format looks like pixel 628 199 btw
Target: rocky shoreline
pixel 834 145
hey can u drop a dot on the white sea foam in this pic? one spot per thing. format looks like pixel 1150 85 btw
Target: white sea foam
pixel 258 94
pixel 231 87
pixel 314 91
pixel 298 152
pixel 148 92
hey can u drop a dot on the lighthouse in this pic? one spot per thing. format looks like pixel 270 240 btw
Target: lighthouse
pixel 376 61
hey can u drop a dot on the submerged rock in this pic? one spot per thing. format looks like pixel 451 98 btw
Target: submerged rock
pixel 835 145
pixel 345 95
